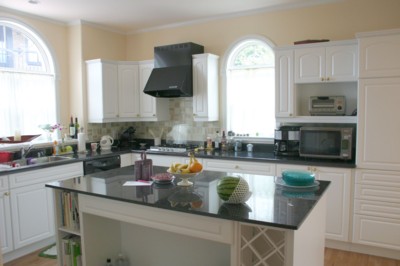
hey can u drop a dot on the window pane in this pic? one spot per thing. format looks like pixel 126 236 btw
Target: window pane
pixel 27 85
pixel 251 90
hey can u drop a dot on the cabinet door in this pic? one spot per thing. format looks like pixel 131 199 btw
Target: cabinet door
pixel 147 102
pixel 205 87
pixel 377 135
pixel 126 159
pixel 102 90
pixel 128 88
pixel 5 222
pixel 32 214
pixel 284 93
pixel 341 63
pixel 380 56
pixel 309 65
pixel 239 167
pixel 338 202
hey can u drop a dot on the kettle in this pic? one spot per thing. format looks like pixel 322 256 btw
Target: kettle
pixel 106 142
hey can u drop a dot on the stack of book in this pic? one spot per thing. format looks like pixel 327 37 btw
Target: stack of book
pixel 69 210
pixel 71 251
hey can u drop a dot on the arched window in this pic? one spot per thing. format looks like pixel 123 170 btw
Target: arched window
pixel 250 89
pixel 27 81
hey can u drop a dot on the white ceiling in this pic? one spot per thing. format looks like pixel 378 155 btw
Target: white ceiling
pixel 130 16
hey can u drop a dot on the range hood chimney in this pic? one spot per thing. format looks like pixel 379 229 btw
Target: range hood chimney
pixel 172 73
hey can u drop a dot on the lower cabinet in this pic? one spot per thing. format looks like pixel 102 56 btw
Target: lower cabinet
pixel 28 208
pixel 32 214
pixel 338 202
pixel 376 220
pixel 239 167
pixel 5 216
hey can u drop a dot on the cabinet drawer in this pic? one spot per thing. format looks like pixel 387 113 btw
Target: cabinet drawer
pixel 377 193
pixel 44 175
pixel 376 231
pixel 4 182
pixel 379 178
pixel 240 167
pixel 375 208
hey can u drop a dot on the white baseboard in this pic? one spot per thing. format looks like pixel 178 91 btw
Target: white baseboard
pixel 15 254
pixel 375 251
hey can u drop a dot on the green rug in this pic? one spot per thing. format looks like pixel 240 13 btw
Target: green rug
pixel 49 252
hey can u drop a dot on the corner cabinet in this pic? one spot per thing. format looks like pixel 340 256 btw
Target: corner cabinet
pixel 205 87
pixel 115 92
pixel 302 71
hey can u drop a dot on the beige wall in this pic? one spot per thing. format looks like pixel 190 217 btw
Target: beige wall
pixel 72 45
pixel 337 21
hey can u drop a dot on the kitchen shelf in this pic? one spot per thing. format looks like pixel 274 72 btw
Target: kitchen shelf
pixel 318 119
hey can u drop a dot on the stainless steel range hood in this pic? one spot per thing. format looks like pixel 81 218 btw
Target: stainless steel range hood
pixel 172 73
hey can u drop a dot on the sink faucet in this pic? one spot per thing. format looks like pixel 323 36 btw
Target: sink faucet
pixel 25 152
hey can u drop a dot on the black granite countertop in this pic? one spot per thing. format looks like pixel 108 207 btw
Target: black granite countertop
pixel 270 204
pixel 261 156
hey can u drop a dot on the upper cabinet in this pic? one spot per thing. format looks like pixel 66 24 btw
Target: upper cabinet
pixel 379 54
pixel 318 69
pixel 115 93
pixel 102 91
pixel 205 87
pixel 333 62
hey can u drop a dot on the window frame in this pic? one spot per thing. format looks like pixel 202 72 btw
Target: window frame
pixel 224 69
pixel 51 64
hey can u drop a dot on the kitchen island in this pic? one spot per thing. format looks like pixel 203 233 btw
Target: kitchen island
pixel 172 225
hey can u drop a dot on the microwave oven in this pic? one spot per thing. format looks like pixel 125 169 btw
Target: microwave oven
pixel 326 142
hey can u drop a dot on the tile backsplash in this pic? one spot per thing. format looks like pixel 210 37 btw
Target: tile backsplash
pixel 181 119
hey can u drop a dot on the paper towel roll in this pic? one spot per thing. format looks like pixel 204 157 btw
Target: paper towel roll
pixel 81 142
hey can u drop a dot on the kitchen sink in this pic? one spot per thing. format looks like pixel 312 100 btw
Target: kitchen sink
pixel 39 160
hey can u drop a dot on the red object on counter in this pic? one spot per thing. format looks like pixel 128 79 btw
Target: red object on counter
pixel 6 156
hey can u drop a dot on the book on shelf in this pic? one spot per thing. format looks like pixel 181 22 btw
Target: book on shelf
pixel 71 251
pixel 69 210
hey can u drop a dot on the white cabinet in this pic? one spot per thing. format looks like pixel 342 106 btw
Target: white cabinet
pixel 32 214
pixel 330 62
pixel 151 108
pixel 205 87
pixel 321 69
pixel 128 91
pixel 126 159
pixel 379 91
pixel 239 167
pixel 379 54
pixel 115 92
pixel 376 220
pixel 284 86
pixel 377 138
pixel 338 202
pixel 32 204
pixel 5 216
pixel 102 91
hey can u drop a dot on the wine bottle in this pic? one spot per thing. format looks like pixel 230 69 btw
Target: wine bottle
pixel 224 142
pixel 72 128
pixel 76 127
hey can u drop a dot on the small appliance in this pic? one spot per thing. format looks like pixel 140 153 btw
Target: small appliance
pixel 327 105
pixel 326 142
pixel 287 141
pixel 106 142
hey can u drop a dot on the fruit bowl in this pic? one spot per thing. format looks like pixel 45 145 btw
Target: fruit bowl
pixel 298 178
pixel 184 177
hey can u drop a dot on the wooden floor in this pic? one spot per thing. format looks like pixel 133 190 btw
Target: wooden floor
pixel 333 257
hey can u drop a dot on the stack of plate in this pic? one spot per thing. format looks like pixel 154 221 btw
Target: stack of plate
pixel 297 179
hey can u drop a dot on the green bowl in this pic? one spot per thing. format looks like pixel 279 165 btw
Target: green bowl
pixel 298 178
